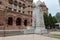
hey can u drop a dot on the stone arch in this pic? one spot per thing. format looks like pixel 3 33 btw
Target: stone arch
pixel 18 21
pixel 25 22
pixel 10 21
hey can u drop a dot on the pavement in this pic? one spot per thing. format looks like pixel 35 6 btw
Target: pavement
pixel 28 37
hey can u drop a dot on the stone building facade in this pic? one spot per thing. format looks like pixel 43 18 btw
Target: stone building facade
pixel 44 8
pixel 15 14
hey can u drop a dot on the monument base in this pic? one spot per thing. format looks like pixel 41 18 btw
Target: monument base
pixel 29 30
pixel 40 30
pixel 37 30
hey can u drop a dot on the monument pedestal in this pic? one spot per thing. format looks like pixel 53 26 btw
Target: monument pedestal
pixel 37 30
pixel 29 30
pixel 40 30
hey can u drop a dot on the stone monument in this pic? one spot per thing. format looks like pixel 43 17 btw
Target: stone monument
pixel 38 20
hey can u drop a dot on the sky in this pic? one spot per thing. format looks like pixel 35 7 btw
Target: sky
pixel 53 6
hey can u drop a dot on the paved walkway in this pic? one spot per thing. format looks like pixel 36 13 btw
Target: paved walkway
pixel 28 37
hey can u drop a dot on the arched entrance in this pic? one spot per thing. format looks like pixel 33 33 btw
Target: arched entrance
pixel 10 21
pixel 25 22
pixel 18 21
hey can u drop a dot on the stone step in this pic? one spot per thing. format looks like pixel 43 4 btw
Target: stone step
pixel 10 33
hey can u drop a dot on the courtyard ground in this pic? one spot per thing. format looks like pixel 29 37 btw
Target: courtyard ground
pixel 17 35
pixel 28 37
pixel 55 34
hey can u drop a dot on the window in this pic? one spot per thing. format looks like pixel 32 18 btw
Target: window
pixel 19 11
pixel 18 21
pixel 15 10
pixel 15 3
pixel 25 22
pixel 0 2
pixel 10 1
pixel 23 4
pixel 24 7
pixel 19 3
pixel 19 7
pixel 10 21
pixel 23 11
pixel 28 5
pixel 9 9
pixel 28 11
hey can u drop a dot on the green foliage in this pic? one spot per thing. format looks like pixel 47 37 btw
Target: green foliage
pixel 46 20
pixel 49 21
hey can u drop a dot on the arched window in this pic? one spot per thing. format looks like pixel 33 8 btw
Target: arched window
pixel 18 21
pixel 10 21
pixel 25 22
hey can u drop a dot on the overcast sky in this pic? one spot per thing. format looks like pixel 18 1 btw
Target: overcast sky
pixel 53 6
